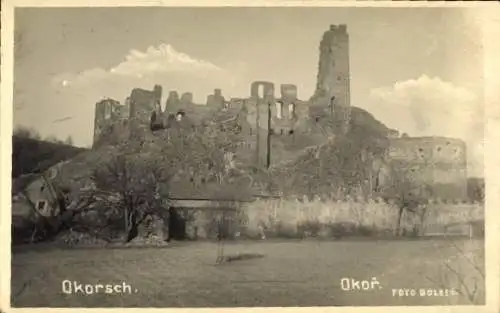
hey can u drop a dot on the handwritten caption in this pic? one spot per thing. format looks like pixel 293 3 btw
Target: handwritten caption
pixel 72 287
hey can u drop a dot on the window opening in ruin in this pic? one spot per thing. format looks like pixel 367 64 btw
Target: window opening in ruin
pixel 107 112
pixel 377 183
pixel 316 119
pixel 179 116
pixel 438 149
pixel 290 132
pixel 281 131
pixel 153 117
pixel 332 105
pixel 260 91
pixel 339 78
pixel 271 131
pixel 279 110
pixel 291 111
pixel 41 205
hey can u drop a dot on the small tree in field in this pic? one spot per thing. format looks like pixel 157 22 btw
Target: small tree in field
pixel 133 187
pixel 408 194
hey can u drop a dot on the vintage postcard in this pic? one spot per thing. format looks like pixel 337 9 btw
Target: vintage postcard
pixel 271 155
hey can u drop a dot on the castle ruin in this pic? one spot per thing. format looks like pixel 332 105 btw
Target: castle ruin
pixel 273 122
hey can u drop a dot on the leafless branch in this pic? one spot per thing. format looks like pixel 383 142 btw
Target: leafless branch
pixel 470 262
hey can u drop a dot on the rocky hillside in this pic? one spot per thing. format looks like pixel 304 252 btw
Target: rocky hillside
pixel 196 155
pixel 192 158
pixel 342 164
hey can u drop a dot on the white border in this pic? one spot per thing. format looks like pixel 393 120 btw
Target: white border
pixel 487 17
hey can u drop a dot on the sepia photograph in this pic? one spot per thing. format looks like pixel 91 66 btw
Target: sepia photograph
pixel 218 157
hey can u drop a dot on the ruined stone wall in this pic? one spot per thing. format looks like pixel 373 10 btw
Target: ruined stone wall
pixel 195 112
pixel 216 99
pixel 438 161
pixel 142 105
pixel 237 104
pixel 187 98
pixel 287 111
pixel 172 104
pixel 143 102
pixel 108 113
pixel 259 105
pixel 274 122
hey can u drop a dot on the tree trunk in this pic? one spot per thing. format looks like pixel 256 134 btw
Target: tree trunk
pixel 398 226
pixel 422 221
pixel 125 219
pixel 132 229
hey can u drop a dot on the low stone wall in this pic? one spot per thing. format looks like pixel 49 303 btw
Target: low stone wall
pixel 329 219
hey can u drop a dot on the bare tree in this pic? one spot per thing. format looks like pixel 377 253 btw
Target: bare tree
pixel 144 168
pixel 133 186
pixel 408 193
pixel 464 273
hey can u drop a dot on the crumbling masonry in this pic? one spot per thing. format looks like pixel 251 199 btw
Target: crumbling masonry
pixel 273 122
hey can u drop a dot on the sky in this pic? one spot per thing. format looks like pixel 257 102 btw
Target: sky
pixel 418 70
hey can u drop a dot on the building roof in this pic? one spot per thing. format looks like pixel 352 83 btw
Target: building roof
pixel 22 182
pixel 188 191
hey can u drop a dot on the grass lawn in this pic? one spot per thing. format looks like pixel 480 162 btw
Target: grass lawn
pixel 290 273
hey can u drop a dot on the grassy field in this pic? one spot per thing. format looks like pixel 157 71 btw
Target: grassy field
pixel 290 273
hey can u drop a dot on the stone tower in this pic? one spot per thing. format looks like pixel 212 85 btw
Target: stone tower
pixel 332 95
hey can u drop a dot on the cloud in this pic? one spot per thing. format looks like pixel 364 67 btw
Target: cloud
pixel 160 60
pixel 162 65
pixel 429 106
pixel 155 60
pixel 75 94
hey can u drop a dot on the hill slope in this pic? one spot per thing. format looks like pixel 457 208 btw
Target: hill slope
pixel 32 155
pixel 338 162
pixel 343 163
